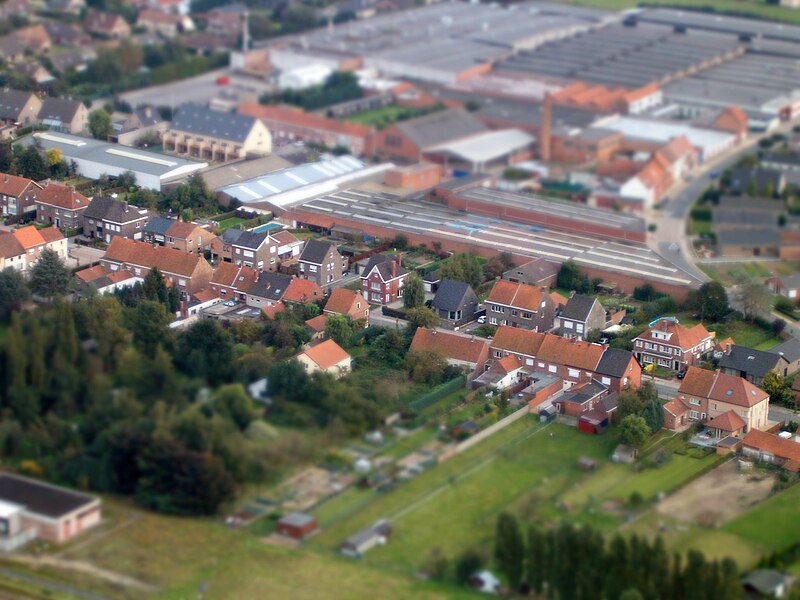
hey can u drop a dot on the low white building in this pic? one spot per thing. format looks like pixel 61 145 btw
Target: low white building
pixel 304 77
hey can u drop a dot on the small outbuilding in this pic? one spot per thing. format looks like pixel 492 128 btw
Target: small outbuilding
pixel 624 454
pixel 297 525
pixel 366 539
pixel 767 583
pixel 587 464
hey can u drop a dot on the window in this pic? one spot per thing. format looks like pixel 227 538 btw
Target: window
pixel 605 380
pixel 497 354
pixel 567 324
pixel 513 313
pixel 312 268
pixel 493 320
pixel 693 415
pixel 694 402
pixel 552 368
pixel 529 362
pixel 574 373
pixel 540 365
pixel 376 286
pixel 527 315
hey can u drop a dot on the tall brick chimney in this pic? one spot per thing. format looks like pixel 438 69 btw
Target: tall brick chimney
pixel 545 128
pixel 394 268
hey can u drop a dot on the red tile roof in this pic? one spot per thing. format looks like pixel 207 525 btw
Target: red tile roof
pixel 28 237
pixel 12 185
pixel 343 301
pixel 675 407
pixel 721 387
pixel 51 234
pixel 519 341
pixel 573 353
pixel 299 118
pixel 62 196
pixel 772 444
pixel 205 295
pixel 728 421
pixel 9 245
pixel 302 290
pixel 269 312
pixel 231 275
pixel 92 273
pixel 518 295
pixel 327 354
pixel 180 229
pixel 507 364
pixel 683 337
pixel 285 238
pixel 450 345
pixel 168 260
pixel 317 323
pixel 558 299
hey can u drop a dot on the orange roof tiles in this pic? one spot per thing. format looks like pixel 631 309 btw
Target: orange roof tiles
pixel 317 323
pixel 205 295
pixel 327 354
pixel 507 364
pixel 92 273
pixel 675 407
pixel 51 234
pixel 728 421
pixel 269 312
pixel 28 236
pixel 676 149
pixel 573 353
pixel 299 118
pixel 9 246
pixel 721 387
pixel 772 444
pixel 519 341
pixel 62 196
pixel 450 345
pixel 558 299
pixel 181 229
pixel 302 290
pixel 518 295
pixel 342 301
pixel 168 260
pixel 123 275
pixel 285 238
pixel 696 382
pixel 233 276
pixel 683 337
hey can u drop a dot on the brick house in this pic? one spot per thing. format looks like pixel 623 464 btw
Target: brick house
pixel 60 205
pixel 17 195
pixel 321 262
pixel 455 303
pixel 581 399
pixel 383 279
pixel 188 237
pixel 255 250
pixel 520 305
pixel 289 246
pixel 580 315
pixel 106 218
pixel 272 289
pixel 574 361
pixel 458 349
pixel 787 286
pixel 106 24
pixel 670 345
pixel 17 109
pixel 539 272
pixel 64 115
pixel 191 273
pixel 232 281
pixel 751 364
pixel 347 302
pixel 20 248
pixel 326 357
pixel 726 404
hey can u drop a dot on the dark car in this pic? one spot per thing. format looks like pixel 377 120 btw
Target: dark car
pixel 681 374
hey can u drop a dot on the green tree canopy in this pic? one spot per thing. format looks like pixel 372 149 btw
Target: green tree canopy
pixel 100 125
pixel 509 549
pixel 49 276
pixel 414 292
pixel 710 301
pixel 463 267
pixel 338 328
pixel 634 431
pixel 206 350
pixel 14 292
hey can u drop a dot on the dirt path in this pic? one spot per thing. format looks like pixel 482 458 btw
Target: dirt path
pixel 77 566
pixel 718 496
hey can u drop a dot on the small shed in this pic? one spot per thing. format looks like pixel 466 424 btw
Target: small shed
pixel 366 539
pixel 466 429
pixel 594 421
pixel 547 413
pixel 624 454
pixel 767 583
pixel 728 444
pixel 297 525
pixel 587 464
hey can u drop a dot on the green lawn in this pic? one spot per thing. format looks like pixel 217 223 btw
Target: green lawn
pixel 231 222
pixel 405 445
pixel 744 333
pixel 727 273
pixel 774 523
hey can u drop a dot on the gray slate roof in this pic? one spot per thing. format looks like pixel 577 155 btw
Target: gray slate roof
pixel 614 362
pixel 749 237
pixel 440 127
pixel 58 109
pixel 315 251
pixel 12 102
pixel 250 239
pixel 783 158
pixel 108 209
pixel 213 123
pixel 790 349
pixel 271 286
pixel 748 360
pixel 231 235
pixel 453 295
pixel 41 498
pixel 578 308
pixel 740 179
pixel 158 225
pixel 584 393
pixel 383 262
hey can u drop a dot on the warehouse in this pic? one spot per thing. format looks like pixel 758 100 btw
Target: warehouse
pixel 94 159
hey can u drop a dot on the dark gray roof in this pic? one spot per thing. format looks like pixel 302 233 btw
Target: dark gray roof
pixel 148 116
pixel 578 308
pixel 383 262
pixel 744 217
pixel 41 498
pixel 537 269
pixel 12 102
pixel 213 123
pixel 271 286
pixel 432 277
pixel 453 295
pixel 765 581
pixel 157 225
pixel 250 239
pixel 231 235
pixel 584 393
pixel 10 45
pixel 749 237
pixel 784 158
pixel 108 209
pixel 614 362
pixel 58 109
pixel 440 127
pixel 740 179
pixel 315 251
pixel 790 349
pixel 748 360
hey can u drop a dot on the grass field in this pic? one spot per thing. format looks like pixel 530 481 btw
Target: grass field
pixel 744 333
pixel 230 222
pixel 727 273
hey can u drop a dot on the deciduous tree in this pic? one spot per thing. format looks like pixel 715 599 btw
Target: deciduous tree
pixel 634 431
pixel 414 292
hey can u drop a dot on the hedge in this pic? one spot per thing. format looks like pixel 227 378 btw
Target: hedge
pixel 436 394
pixel 700 213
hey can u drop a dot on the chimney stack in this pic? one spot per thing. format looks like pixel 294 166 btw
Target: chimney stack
pixel 394 269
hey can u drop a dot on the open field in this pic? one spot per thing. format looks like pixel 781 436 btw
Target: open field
pixel 727 273
pixel 230 222
pixel 744 333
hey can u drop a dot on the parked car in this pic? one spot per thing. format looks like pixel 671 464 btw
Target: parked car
pixel 681 374
pixel 482 319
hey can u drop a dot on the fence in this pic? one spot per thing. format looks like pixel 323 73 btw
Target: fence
pixel 436 394
pixel 479 437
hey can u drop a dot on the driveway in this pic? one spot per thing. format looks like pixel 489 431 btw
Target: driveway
pixel 84 255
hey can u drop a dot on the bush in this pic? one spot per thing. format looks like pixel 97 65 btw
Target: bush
pixel 700 213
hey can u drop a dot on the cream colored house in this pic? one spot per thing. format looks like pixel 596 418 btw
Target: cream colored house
pixel 200 132
pixel 328 357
